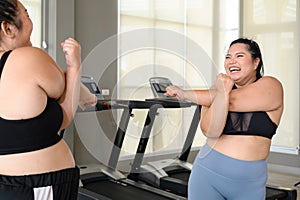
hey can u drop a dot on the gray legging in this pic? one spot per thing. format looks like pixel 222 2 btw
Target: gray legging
pixel 216 176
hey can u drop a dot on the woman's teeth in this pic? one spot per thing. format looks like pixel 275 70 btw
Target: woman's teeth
pixel 234 69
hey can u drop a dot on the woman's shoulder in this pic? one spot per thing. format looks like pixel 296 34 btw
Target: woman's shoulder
pixel 270 84
pixel 30 53
pixel 31 58
pixel 270 80
pixel 29 49
pixel 34 62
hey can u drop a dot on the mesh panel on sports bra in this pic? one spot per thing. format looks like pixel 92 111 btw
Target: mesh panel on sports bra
pixel 241 121
pixel 249 123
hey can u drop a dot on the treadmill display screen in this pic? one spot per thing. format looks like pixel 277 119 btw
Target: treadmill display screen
pixel 161 88
pixel 92 87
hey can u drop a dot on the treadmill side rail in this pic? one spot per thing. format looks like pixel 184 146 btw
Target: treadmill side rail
pixel 84 194
pixel 280 193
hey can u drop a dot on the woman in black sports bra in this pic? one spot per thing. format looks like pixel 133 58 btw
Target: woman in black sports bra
pixel 37 99
pixel 240 115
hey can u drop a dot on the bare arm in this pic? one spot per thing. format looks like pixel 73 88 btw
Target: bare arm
pixel 86 98
pixel 213 118
pixel 258 96
pixel 266 94
pixel 70 98
pixel 201 97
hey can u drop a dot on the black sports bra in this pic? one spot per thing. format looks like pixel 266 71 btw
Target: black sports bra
pixel 250 123
pixel 18 136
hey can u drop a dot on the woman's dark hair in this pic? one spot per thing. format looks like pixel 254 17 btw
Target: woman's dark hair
pixel 254 49
pixel 9 12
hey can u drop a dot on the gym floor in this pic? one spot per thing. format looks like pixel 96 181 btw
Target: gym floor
pixel 284 180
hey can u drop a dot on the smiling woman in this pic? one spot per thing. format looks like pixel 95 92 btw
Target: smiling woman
pixel 251 60
pixel 38 164
pixel 239 119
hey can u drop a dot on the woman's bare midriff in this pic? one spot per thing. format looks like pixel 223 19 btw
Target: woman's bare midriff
pixel 242 147
pixel 52 158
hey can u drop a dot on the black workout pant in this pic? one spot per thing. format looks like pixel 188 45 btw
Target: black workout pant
pixel 59 185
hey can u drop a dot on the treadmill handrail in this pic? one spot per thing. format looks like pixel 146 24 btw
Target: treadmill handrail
pixel 137 162
pixel 128 106
pixel 190 135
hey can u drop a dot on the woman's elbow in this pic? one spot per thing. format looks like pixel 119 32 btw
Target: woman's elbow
pixel 209 131
pixel 68 116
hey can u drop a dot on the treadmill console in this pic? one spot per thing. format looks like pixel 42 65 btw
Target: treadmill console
pixel 90 83
pixel 159 85
pixel 92 86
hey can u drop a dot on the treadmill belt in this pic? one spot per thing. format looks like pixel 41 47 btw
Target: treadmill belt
pixel 184 176
pixel 121 191
pixel 274 194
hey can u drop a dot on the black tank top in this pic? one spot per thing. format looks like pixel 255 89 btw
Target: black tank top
pixel 19 136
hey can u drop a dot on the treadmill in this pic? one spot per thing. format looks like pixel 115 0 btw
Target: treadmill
pixel 169 174
pixel 105 182
pixel 174 177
